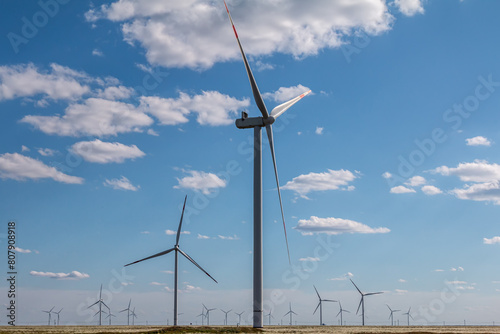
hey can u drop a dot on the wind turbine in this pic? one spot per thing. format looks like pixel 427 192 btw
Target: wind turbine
pixel 109 316
pixel 58 316
pixel 290 312
pixel 208 313
pixel 225 319
pixel 391 316
pixel 362 301
pixel 320 305
pixel 269 315
pixel 177 251
pixel 239 317
pixel 202 315
pixel 257 123
pixel 100 302
pixel 408 316
pixel 49 312
pixel 128 312
pixel 340 312
pixel 133 316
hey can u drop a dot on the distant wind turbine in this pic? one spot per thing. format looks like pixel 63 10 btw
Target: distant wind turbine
pixel 208 313
pixel 202 315
pixel 340 312
pixel 320 305
pixel 58 316
pixel 290 312
pixel 239 317
pixel 133 316
pixel 269 315
pixel 391 316
pixel 109 316
pixel 100 302
pixel 257 123
pixel 49 312
pixel 128 312
pixel 225 318
pixel 408 316
pixel 177 250
pixel 362 301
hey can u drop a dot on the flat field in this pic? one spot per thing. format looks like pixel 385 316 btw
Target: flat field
pixel 270 329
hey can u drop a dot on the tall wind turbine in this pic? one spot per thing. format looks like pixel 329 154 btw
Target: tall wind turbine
pixel 340 312
pixel 202 315
pixel 225 318
pixel 49 312
pixel 269 315
pixel 208 313
pixel 320 305
pixel 409 316
pixel 58 316
pixel 391 316
pixel 239 317
pixel 257 123
pixel 128 312
pixel 133 316
pixel 177 250
pixel 290 312
pixel 362 301
pixel 100 302
pixel 109 316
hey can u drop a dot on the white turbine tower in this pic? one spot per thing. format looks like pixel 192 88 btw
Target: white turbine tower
pixel 362 301
pixel 320 305
pixel 100 302
pixel 58 316
pixel 391 316
pixel 225 318
pixel 409 316
pixel 290 312
pixel 177 250
pixel 208 313
pixel 269 315
pixel 128 312
pixel 257 123
pixel 340 312
pixel 110 315
pixel 49 312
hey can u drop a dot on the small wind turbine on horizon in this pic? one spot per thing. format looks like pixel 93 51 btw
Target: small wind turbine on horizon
pixel 320 305
pixel 128 312
pixel 208 310
pixel 58 316
pixel 100 302
pixel 133 316
pixel 239 317
pixel 290 312
pixel 269 315
pixel 176 250
pixel 257 123
pixel 202 315
pixel 49 312
pixel 391 316
pixel 340 312
pixel 409 316
pixel 225 318
pixel 109 316
pixel 362 301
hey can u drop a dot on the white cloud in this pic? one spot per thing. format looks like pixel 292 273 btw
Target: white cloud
pixel 416 181
pixel 457 269
pixel 46 152
pixel 284 94
pixel 409 7
pixel 333 225
pixel 25 149
pixel 478 141
pixel 197 34
pixel 341 278
pixel 261 66
pixel 401 280
pixel 74 275
pixel 94 117
pixel 200 181
pixel 169 272
pixel 319 130
pixel 19 167
pixel 456 282
pixel 104 152
pixel 489 191
pixel 477 171
pixel 121 184
pixel 211 107
pixel 157 284
pixel 387 175
pixel 115 93
pixel 494 240
pixel 438 270
pixel 400 292
pixel 309 259
pixel 97 52
pixel 201 236
pixel 171 232
pixel 234 237
pixel 152 132
pixel 25 251
pixel 431 190
pixel 401 190
pixel 331 180
pixel 145 232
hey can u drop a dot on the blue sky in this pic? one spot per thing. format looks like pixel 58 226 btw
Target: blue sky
pixel 112 112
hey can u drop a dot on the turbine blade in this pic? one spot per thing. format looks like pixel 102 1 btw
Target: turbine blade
pixel 277 111
pixel 196 264
pixel 51 308
pixel 87 307
pixel 356 287
pixel 330 300
pixel 317 307
pixel 294 313
pixel 359 305
pixel 339 313
pixel 317 292
pixel 123 310
pixel 373 293
pixel 103 303
pixel 152 256
pixel 388 307
pixel 346 311
pixel 269 131
pixel 255 89
pixel 180 223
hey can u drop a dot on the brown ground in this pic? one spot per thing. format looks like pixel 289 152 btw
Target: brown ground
pixel 271 329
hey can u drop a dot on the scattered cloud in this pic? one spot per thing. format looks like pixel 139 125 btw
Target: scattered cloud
pixel 261 66
pixel 201 236
pixel 121 184
pixel 494 240
pixel 46 152
pixel 400 292
pixel 342 278
pixel 25 251
pixel 284 94
pixel 152 132
pixel 401 190
pixel 309 259
pixel 488 191
pixel 416 181
pixel 105 152
pixel 457 269
pixel 200 181
pixel 439 270
pixel 115 93
pixel 171 232
pixel 335 226
pixel 157 284
pixel 478 141
pixel 431 190
pixel 25 149
pixel 170 272
pixel 477 171
pixel 387 175
pixel 234 237
pixel 409 7
pixel 74 275
pixel 19 167
pixel 97 52
pixel 319 130
pixel 145 232
pixel 331 180
pixel 402 280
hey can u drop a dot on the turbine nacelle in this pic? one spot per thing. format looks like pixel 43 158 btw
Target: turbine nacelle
pixel 252 122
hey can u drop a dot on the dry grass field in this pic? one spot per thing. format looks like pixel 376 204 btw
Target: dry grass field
pixel 271 329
